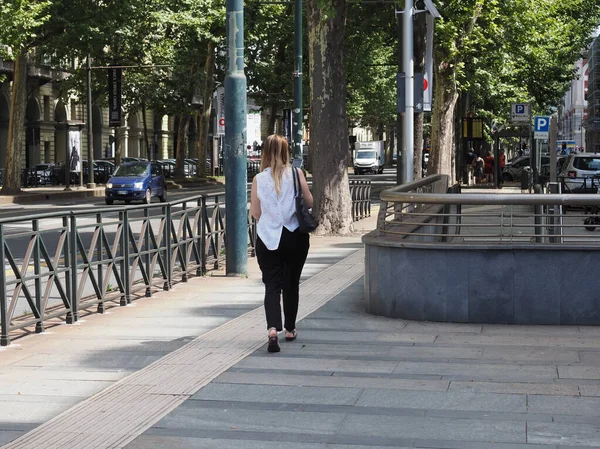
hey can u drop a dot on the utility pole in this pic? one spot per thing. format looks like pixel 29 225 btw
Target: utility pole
pixel 297 115
pixel 90 133
pixel 236 197
pixel 409 83
pixel 400 115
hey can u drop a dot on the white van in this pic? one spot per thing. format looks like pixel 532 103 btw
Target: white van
pixel 369 157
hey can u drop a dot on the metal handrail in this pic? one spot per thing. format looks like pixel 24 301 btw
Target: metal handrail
pixel 427 212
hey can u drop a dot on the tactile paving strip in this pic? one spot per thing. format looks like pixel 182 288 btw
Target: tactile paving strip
pixel 117 415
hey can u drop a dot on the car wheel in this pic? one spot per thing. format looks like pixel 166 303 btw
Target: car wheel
pixel 163 197
pixel 109 202
pixel 147 196
pixel 591 221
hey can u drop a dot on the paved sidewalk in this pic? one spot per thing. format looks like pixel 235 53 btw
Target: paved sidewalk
pixel 189 369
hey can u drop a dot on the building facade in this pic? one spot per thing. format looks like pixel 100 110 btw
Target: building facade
pixel 573 111
pixel 53 123
pixel 592 122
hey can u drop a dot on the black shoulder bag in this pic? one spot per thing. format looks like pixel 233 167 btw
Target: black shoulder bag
pixel 306 221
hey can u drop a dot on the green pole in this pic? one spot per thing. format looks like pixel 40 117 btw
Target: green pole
pixel 297 114
pixel 236 197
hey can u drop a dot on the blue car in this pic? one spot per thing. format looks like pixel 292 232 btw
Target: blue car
pixel 136 181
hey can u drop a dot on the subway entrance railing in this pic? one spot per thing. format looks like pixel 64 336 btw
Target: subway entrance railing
pixel 430 210
pixel 503 258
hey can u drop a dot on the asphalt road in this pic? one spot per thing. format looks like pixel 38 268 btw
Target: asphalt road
pixel 378 182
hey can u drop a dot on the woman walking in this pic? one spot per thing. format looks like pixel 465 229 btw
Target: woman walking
pixel 281 249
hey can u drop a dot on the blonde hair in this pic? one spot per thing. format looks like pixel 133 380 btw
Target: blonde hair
pixel 275 155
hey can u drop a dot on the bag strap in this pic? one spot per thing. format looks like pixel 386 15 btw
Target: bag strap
pixel 296 177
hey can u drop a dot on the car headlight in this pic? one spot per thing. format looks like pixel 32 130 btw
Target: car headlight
pixel 109 185
pixel 138 185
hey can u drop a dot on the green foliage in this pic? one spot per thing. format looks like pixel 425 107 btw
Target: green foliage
pixel 371 65
pixel 21 22
pixel 270 53
pixel 502 51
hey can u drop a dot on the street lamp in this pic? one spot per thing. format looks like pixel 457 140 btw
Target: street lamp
pixel 90 133
pixel 409 81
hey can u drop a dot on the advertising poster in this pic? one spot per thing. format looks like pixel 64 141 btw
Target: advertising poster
pixel 75 150
pixel 114 96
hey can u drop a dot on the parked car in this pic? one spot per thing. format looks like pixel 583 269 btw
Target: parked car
pixel 38 175
pixel 578 171
pixel 139 181
pixel 168 167
pixel 102 171
pixel 513 170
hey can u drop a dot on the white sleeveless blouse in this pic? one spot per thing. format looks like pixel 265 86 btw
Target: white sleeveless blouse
pixel 276 211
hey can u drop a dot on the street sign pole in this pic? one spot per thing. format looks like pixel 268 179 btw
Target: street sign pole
pixel 408 67
pixel 297 113
pixel 236 197
pixel 90 132
pixel 552 149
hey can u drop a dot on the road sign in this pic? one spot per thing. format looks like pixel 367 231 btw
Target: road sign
pixel 220 103
pixel 541 127
pixel 519 114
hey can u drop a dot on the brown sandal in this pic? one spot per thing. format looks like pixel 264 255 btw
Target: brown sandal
pixel 273 342
pixel 293 337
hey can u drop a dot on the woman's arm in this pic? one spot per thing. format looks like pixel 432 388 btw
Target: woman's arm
pixel 308 198
pixel 254 201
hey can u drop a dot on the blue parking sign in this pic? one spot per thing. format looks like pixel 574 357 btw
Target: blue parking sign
pixel 541 127
pixel 520 114
pixel 542 124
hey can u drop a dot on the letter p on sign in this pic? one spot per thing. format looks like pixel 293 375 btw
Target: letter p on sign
pixel 542 127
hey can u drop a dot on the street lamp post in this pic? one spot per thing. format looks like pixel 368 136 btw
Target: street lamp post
pixel 236 197
pixel 90 133
pixel 407 159
pixel 409 83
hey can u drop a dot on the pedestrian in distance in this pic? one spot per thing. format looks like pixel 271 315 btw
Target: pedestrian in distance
pixel 502 164
pixel 478 169
pixel 489 167
pixel 281 249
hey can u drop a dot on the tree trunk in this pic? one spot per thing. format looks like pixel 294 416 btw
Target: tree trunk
pixel 182 129
pixel 146 140
pixel 419 32
pixel 329 126
pixel 442 123
pixel 390 147
pixel 16 127
pixel 272 119
pixel 206 110
pixel 418 146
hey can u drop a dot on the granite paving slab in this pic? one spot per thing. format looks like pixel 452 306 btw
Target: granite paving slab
pixel 270 378
pixel 576 435
pixel 547 388
pixel 451 400
pixel 274 393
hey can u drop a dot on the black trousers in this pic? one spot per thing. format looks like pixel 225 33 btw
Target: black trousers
pixel 281 270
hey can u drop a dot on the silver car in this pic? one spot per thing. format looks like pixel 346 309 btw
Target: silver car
pixel 579 173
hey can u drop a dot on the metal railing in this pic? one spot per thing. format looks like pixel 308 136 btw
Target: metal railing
pixel 360 192
pixel 55 265
pixel 429 211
